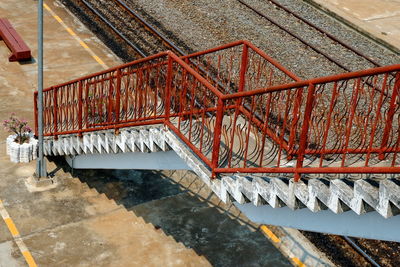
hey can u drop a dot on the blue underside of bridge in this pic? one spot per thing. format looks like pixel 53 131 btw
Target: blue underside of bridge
pixel 162 160
pixel 370 225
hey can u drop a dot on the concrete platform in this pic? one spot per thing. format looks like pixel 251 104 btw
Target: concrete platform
pixel 92 217
pixel 64 56
pixel 378 18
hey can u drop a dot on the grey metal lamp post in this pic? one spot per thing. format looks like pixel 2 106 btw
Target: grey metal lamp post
pixel 41 170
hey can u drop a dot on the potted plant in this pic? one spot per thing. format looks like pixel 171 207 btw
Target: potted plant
pixel 21 146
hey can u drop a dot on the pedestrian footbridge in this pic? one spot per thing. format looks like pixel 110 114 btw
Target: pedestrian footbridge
pixel 319 154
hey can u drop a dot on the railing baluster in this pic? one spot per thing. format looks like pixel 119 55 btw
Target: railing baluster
pixel 389 119
pixel 110 98
pixel 304 131
pixel 328 122
pixel 55 114
pixel 127 92
pixel 349 124
pixel 168 85
pixel 217 136
pixel 87 101
pixel 282 133
pixel 243 68
pixel 80 115
pixel 182 102
pixel 377 117
pixel 246 150
pixel 156 93
pixel 293 128
pixel 118 96
pixel 239 101
pixel 265 126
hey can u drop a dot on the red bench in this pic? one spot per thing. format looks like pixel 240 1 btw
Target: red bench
pixel 19 49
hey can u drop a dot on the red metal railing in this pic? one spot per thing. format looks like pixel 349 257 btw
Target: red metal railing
pixel 346 123
pixel 241 111
pixel 239 66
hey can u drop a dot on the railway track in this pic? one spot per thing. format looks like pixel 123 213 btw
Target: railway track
pixel 122 29
pixel 317 29
pixel 139 51
pixel 125 25
pixel 318 33
pixel 145 39
pixel 354 245
pixel 131 27
pixel 349 251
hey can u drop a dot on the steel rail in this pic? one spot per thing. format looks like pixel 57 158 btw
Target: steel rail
pixel 183 54
pixel 360 251
pixel 326 33
pixel 143 22
pixel 119 33
pixel 150 28
pixel 146 25
pixel 155 32
pixel 179 51
pixel 273 21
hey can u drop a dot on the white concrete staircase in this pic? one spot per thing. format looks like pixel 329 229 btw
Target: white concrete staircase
pixel 361 196
pixel 337 195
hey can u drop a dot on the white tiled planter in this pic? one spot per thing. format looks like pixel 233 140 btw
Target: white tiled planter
pixel 21 153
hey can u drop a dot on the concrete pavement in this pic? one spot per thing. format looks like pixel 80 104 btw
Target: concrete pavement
pixel 378 18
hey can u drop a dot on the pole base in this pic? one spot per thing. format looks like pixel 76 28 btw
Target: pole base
pixel 41 168
pixel 35 184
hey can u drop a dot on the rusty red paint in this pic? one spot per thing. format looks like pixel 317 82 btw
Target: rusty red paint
pixel 239 110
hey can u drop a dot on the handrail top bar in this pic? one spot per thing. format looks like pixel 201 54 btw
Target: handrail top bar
pixel 327 79
pixel 214 49
pixel 272 61
pixel 297 84
pixel 159 55
pixel 253 47
pixel 168 52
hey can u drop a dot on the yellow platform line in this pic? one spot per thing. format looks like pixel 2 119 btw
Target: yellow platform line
pixel 29 259
pixel 11 226
pixel 270 234
pixel 298 262
pixel 16 236
pixel 76 37
pixel 276 239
